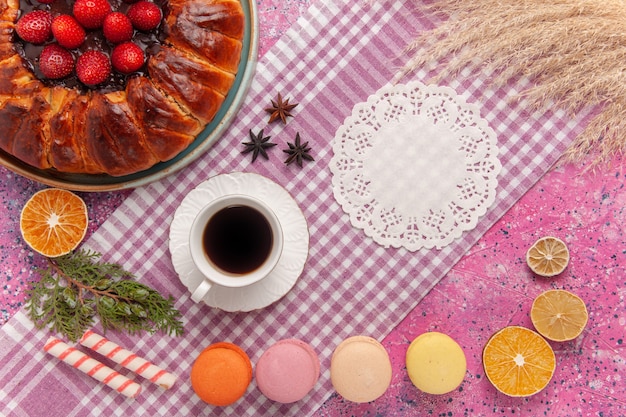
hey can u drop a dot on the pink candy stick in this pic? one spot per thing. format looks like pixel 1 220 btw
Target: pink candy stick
pixel 92 367
pixel 127 359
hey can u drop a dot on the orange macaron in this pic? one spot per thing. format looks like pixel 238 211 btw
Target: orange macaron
pixel 221 374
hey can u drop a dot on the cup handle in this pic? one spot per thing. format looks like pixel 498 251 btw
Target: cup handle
pixel 201 291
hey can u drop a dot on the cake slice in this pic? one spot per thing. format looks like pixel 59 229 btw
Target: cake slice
pixel 67 132
pixel 7 48
pixel 190 82
pixel 224 16
pixel 169 130
pixel 21 119
pixel 192 29
pixel 16 80
pixel 114 139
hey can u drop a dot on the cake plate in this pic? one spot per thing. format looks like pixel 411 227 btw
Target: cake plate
pixel 207 138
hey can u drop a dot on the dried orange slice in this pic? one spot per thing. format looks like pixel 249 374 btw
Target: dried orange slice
pixel 518 361
pixel 548 256
pixel 559 315
pixel 54 222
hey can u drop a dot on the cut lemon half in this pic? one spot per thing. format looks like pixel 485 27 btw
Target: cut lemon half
pixel 54 222
pixel 518 361
pixel 559 315
pixel 548 256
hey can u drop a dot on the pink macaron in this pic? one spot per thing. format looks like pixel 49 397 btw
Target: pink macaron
pixel 287 371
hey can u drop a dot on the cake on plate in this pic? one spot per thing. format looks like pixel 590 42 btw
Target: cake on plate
pixel 128 119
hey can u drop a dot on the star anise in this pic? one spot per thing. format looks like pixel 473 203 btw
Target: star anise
pixel 280 109
pixel 258 145
pixel 298 152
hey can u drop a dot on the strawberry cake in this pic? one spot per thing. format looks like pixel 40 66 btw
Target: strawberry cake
pixel 112 86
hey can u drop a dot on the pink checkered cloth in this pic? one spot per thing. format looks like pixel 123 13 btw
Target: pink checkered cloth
pixel 337 54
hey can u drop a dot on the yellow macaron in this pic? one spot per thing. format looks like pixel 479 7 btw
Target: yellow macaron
pixel 435 363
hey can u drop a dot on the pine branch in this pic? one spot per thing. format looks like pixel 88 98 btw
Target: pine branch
pixel 77 287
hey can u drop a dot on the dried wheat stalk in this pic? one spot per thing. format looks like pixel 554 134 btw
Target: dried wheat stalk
pixel 572 51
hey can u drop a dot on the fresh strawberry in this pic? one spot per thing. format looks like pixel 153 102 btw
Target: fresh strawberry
pixel 127 57
pixel 117 27
pixel 35 27
pixel 145 15
pixel 93 67
pixel 91 13
pixel 55 62
pixel 68 32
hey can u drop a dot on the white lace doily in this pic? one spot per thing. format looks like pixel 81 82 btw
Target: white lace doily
pixel 415 166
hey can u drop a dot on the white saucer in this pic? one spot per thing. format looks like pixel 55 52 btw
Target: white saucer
pixel 290 265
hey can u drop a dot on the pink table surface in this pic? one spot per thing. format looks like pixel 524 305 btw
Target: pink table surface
pixel 491 287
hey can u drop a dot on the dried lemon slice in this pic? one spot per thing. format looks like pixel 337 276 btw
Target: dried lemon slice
pixel 53 221
pixel 559 315
pixel 518 361
pixel 548 256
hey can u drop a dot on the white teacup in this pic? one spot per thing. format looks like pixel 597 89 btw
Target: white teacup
pixel 235 241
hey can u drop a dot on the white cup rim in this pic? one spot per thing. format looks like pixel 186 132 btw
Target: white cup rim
pixel 211 273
